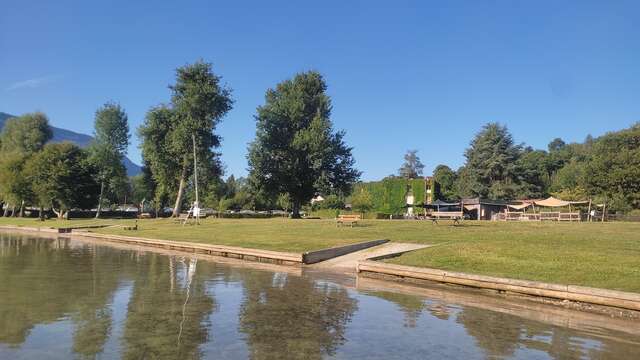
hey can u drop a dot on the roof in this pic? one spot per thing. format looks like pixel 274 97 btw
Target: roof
pixel 443 203
pixel 553 202
pixel 477 201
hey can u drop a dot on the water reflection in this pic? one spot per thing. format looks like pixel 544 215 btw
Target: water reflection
pixel 65 298
pixel 292 317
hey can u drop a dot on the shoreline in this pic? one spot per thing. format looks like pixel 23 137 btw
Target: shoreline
pixel 613 299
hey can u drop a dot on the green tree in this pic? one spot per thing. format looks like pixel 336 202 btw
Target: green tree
pixel 284 202
pixel 296 150
pixel 14 187
pixel 142 188
pixel 156 152
pixel 199 104
pixel 62 178
pixel 556 144
pixel 21 137
pixel 613 169
pixel 361 201
pixel 111 131
pixel 25 134
pixel 445 180
pixel 412 167
pixel 532 174
pixel 331 201
pixel 491 163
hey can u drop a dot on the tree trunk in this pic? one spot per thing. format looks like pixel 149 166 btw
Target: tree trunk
pixel 6 211
pixel 41 214
pixel 100 199
pixel 21 209
pixel 59 214
pixel 13 211
pixel 295 211
pixel 178 205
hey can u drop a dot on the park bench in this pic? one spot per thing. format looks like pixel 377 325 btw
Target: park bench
pixel 348 220
pixel 456 216
pixel 182 217
pixel 145 215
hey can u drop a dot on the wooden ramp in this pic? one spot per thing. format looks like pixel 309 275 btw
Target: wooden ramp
pixel 349 262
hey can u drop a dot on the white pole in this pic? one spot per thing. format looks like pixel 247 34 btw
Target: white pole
pixel 195 178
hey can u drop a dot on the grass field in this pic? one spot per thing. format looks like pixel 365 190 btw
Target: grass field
pixel 605 255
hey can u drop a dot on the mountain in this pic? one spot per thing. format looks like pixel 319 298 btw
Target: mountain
pixel 82 140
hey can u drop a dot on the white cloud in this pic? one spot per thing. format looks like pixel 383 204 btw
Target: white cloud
pixel 34 83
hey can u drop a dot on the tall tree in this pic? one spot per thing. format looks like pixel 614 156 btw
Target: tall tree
pixel 614 168
pixel 21 137
pixel 445 180
pixel 490 165
pixel 62 178
pixel 296 150
pixel 111 130
pixel 199 104
pixel 14 187
pixel 156 152
pixel 533 174
pixel 412 167
pixel 361 201
pixel 25 134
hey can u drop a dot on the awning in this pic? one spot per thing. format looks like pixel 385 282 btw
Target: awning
pixel 519 207
pixel 442 203
pixel 553 202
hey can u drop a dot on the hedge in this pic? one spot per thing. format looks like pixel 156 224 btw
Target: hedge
pixel 389 194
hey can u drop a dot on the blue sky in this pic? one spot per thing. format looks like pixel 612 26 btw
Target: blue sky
pixel 402 74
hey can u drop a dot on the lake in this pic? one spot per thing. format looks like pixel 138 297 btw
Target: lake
pixel 63 298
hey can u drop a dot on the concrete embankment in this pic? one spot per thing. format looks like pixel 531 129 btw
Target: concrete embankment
pixel 620 299
pixel 276 257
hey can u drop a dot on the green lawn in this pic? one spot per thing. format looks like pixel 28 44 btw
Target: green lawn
pixel 605 255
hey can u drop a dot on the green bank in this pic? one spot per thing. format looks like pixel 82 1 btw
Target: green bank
pixel 605 255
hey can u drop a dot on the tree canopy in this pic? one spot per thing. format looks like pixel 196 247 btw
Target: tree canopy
pixel 198 103
pixel 111 130
pixel 491 162
pixel 296 151
pixel 412 166
pixel 25 134
pixel 62 178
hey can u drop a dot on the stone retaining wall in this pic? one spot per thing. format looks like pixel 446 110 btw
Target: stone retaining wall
pixel 621 299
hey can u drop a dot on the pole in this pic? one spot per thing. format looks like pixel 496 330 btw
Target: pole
pixel 195 178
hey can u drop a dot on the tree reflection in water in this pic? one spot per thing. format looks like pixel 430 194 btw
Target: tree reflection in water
pixel 83 290
pixel 167 311
pixel 293 317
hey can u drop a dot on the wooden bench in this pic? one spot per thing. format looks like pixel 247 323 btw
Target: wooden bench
pixel 456 216
pixel 182 217
pixel 348 220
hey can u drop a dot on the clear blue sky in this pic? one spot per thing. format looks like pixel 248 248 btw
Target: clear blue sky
pixel 402 75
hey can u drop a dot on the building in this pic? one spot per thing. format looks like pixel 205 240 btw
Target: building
pixel 483 209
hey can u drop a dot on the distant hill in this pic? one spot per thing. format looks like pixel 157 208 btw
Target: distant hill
pixel 82 140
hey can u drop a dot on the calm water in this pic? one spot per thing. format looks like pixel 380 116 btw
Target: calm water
pixel 62 299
